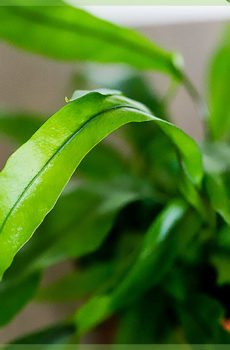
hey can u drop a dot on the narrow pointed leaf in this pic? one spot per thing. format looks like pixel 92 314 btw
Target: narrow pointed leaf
pixel 36 174
pixel 68 33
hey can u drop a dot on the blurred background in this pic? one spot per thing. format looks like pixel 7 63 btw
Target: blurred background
pixel 39 85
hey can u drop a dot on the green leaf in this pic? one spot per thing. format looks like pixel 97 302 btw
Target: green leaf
pixel 219 96
pixel 68 33
pixel 161 245
pixel 218 195
pixel 67 234
pixel 36 174
pixel 76 285
pixel 104 162
pixel 147 321
pixel 15 295
pixel 221 262
pixel 18 127
pixel 94 277
pixel 201 319
pixel 216 157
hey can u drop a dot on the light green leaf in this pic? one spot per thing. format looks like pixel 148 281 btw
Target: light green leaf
pixel 68 33
pixel 80 93
pixel 219 95
pixel 36 174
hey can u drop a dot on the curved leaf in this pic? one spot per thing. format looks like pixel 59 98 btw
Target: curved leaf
pixel 68 33
pixel 36 174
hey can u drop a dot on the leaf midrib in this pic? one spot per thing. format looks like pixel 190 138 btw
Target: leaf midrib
pixel 63 145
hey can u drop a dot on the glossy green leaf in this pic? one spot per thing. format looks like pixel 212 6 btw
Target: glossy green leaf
pixel 161 245
pixel 219 97
pixel 15 295
pixel 68 33
pixel 36 174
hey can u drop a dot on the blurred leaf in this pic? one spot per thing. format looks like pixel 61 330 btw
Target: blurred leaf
pixel 29 185
pixel 216 157
pixel 147 321
pixel 218 195
pixel 201 320
pixel 219 97
pixel 133 85
pixel 19 127
pixel 59 334
pixel 223 239
pixel 15 295
pixel 68 33
pixel 161 245
pixel 222 266
pixel 76 285
pixel 93 278
pixel 103 162
pixel 66 232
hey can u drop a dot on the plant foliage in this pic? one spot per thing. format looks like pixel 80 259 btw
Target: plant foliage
pixel 144 220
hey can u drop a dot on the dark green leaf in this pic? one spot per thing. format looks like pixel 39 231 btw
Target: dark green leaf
pixel 15 295
pixel 19 127
pixel 162 243
pixel 201 320
pixel 221 262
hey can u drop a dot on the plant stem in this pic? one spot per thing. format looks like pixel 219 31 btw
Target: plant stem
pixel 196 97
pixel 200 104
